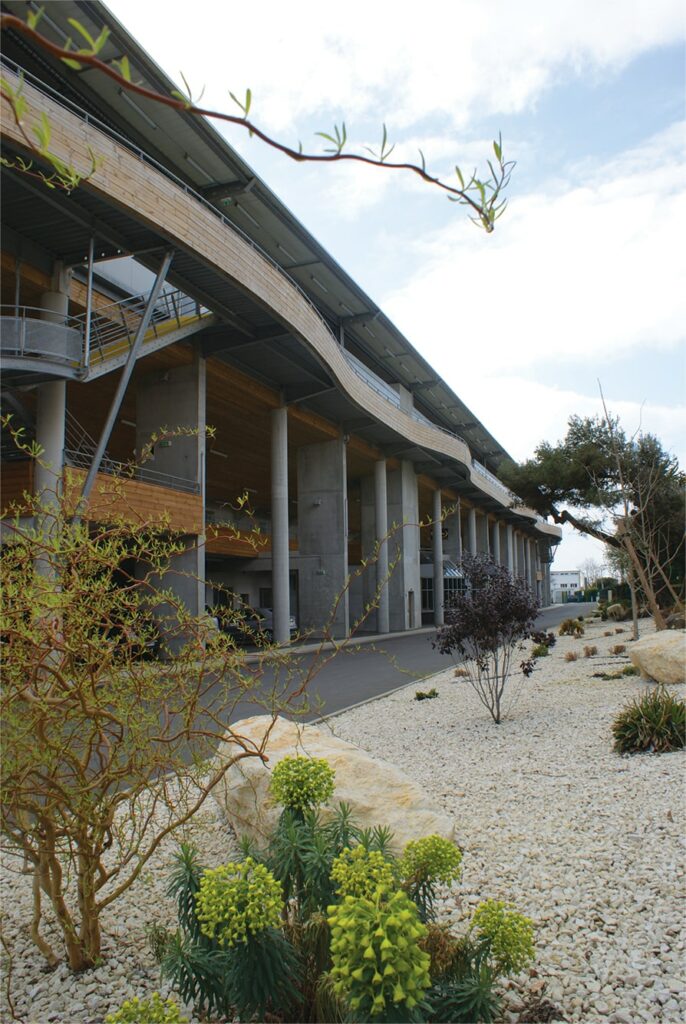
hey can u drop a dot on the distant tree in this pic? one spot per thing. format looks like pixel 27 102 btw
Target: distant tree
pixel 625 491
pixel 486 624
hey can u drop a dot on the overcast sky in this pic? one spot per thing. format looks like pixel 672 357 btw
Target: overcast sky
pixel 584 278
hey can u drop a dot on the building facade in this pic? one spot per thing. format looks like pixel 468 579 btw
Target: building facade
pixel 172 291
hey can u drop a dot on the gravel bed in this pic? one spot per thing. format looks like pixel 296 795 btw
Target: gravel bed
pixel 588 844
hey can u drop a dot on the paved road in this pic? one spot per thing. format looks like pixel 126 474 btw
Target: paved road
pixel 369 670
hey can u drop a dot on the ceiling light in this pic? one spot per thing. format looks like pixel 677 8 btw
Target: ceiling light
pixel 139 110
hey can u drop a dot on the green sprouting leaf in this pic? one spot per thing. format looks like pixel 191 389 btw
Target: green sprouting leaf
pixel 458 172
pixel 83 31
pixel 423 161
pixel 180 96
pixel 245 107
pixel 42 132
pixel 33 17
pixel 101 40
pixel 74 64
pixel 329 138
pixel 498 150
pixel 124 67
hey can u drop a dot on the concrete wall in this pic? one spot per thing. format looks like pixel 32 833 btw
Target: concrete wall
pixel 404 586
pixel 323 537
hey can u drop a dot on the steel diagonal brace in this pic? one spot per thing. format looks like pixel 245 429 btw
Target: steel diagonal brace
pixel 124 379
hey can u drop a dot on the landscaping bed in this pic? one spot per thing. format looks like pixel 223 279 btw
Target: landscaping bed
pixel 587 843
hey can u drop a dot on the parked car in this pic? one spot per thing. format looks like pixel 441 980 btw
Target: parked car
pixel 251 625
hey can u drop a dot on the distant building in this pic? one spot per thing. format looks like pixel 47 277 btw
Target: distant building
pixel 565 583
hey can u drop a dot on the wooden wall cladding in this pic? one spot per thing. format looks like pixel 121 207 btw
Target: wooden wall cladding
pixel 138 502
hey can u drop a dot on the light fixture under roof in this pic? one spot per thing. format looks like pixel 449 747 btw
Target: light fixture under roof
pixel 316 281
pixel 139 110
pixel 198 168
pixel 238 206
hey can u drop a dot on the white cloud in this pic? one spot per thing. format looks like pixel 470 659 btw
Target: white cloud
pixel 464 58
pixel 583 269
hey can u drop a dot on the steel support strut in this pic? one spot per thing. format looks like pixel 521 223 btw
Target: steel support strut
pixel 125 377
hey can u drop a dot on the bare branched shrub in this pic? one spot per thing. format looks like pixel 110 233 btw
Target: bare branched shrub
pixel 486 625
pixel 571 655
pixel 590 650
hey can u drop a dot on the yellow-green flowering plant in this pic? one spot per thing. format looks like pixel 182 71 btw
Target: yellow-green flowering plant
pixel 510 935
pixel 237 901
pixel 425 863
pixel 361 872
pixel 147 1011
pixel 378 967
pixel 301 783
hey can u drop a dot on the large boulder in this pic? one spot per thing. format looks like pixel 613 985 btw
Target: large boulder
pixel 661 656
pixel 378 792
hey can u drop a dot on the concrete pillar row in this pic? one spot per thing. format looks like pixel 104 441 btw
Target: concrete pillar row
pixel 381 527
pixel 280 551
pixel 439 617
pixel 527 562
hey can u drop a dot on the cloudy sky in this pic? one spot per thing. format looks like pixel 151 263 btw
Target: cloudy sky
pixel 583 279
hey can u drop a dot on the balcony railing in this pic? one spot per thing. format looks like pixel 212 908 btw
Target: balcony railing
pixel 24 332
pixel 82 460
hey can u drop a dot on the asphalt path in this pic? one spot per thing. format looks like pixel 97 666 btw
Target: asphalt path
pixel 363 671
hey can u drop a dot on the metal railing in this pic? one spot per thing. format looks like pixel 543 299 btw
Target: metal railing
pixel 372 380
pixel 81 460
pixel 25 331
pixel 118 321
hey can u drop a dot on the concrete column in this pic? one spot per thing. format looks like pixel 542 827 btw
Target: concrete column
pixel 471 531
pixel 510 549
pixel 495 546
pixel 323 538
pixel 405 583
pixel 176 399
pixel 527 563
pixel 438 560
pixel 52 405
pixel 482 532
pixel 381 526
pixel 452 527
pixel 280 550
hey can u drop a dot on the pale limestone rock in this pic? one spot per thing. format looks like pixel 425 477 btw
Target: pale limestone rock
pixel 662 656
pixel 378 792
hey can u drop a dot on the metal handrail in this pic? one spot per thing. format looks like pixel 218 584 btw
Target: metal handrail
pixel 82 460
pixel 39 313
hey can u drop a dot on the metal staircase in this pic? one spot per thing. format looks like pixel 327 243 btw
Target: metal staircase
pixel 33 342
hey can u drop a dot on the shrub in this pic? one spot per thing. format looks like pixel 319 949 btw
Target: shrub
pixel 243 952
pixel 608 632
pixel 238 901
pixel 147 1011
pixel 510 935
pixel 360 873
pixel 540 651
pixel 618 649
pixel 590 650
pixel 620 630
pixel 486 624
pixel 616 611
pixel 426 862
pixel 571 655
pixel 656 720
pixel 461 673
pixel 302 782
pixel 426 694
pixel 539 636
pixel 630 670
pixel 378 967
pixel 571 627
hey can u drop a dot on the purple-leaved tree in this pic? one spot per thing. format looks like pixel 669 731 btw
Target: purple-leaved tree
pixel 486 625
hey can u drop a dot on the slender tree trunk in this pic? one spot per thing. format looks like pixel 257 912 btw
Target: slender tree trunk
pixel 634 605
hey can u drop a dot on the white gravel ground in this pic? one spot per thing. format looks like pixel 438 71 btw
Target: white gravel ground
pixel 588 844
